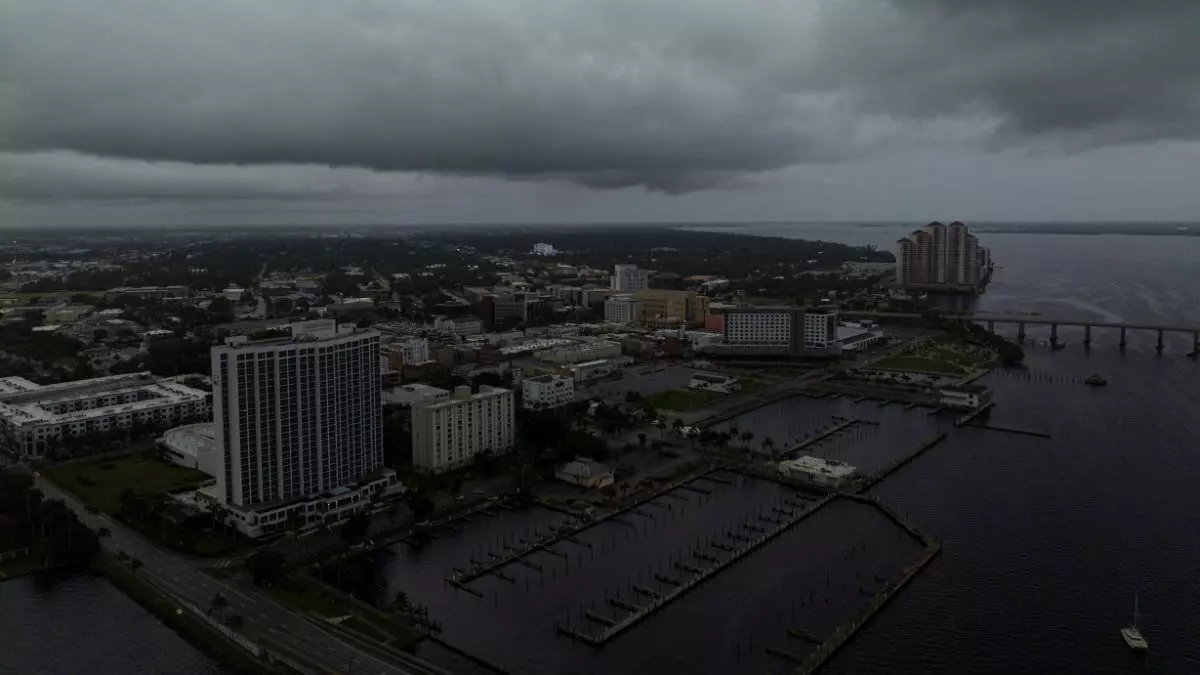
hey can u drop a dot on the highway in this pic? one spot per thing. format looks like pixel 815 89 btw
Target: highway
pixel 265 621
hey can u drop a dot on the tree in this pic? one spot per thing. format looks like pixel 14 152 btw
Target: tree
pixel 267 568
pixel 420 503
pixel 104 532
pixel 220 310
pixel 642 440
pixel 400 603
pixel 356 527
pixel 135 564
pixel 218 605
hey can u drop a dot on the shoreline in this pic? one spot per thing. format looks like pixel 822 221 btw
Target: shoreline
pixel 201 636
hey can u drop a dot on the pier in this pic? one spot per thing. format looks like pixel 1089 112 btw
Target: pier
pixel 698 576
pixel 900 463
pixel 825 434
pixel 825 651
pixel 1010 430
pixel 970 416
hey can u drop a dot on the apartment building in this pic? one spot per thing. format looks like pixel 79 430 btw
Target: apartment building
pixel 546 392
pixel 628 279
pixel 297 415
pixel 35 418
pixel 941 257
pixel 450 433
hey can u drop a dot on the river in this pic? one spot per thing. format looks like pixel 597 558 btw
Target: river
pixel 76 624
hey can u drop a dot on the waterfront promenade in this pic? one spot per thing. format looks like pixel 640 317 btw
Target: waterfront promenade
pixel 277 631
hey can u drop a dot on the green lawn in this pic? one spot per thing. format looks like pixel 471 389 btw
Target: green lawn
pixel 682 399
pixel 919 364
pixel 101 482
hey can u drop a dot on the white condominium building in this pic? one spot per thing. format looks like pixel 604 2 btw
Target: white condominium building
pixel 449 434
pixel 297 415
pixel 623 309
pixel 629 279
pixel 36 418
pixel 546 392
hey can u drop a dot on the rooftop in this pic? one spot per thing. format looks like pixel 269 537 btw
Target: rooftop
pixel 816 465
pixel 966 388
pixel 24 406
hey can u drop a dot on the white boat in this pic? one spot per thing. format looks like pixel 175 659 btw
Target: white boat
pixel 1131 634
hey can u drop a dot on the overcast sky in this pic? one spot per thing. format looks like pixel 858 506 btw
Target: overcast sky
pixel 417 111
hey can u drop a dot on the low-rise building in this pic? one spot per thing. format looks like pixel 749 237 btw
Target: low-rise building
pixel 546 392
pixel 449 434
pixel 964 396
pixel 67 313
pixel 856 337
pixel 724 384
pixel 406 351
pixel 580 351
pixel 34 418
pixel 585 473
pixel 460 326
pixel 193 446
pixel 817 470
pixel 590 370
pixel 623 309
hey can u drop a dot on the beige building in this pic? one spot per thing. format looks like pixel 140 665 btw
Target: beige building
pixel 941 256
pixel 450 433
pixel 668 309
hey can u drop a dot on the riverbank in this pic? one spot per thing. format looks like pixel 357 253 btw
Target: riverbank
pixel 199 634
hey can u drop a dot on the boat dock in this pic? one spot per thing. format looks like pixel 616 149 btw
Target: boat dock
pixel 1010 430
pixel 970 416
pixel 830 646
pixel 693 576
pixel 901 462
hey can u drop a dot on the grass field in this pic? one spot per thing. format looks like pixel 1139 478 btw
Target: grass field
pixel 919 364
pixel 101 482
pixel 682 399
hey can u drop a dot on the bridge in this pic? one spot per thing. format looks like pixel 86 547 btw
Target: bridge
pixel 1023 320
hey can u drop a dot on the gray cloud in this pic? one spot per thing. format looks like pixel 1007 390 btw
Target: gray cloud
pixel 672 95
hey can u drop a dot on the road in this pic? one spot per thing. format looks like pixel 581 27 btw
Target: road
pixel 264 619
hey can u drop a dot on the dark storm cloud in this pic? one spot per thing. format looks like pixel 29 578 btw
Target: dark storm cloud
pixel 673 95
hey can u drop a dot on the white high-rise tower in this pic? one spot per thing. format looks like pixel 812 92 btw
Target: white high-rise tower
pixel 296 413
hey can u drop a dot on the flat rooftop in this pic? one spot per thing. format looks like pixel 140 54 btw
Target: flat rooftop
pixel 20 405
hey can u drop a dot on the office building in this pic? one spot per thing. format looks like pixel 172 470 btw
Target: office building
pixel 546 392
pixel 628 279
pixel 450 433
pixel 623 309
pixel 544 250
pixel 668 309
pixel 942 257
pixel 35 419
pixel 296 416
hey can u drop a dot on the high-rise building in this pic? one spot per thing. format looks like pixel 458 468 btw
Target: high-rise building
pixel 297 413
pixel 628 278
pixel 937 256
pixel 450 433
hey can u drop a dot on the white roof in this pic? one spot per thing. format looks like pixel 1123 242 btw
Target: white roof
pixel 31 407
pixel 816 465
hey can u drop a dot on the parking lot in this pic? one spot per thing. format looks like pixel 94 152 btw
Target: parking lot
pixel 639 380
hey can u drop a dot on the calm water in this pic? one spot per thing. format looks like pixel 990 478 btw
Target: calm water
pixel 1046 541
pixel 79 624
